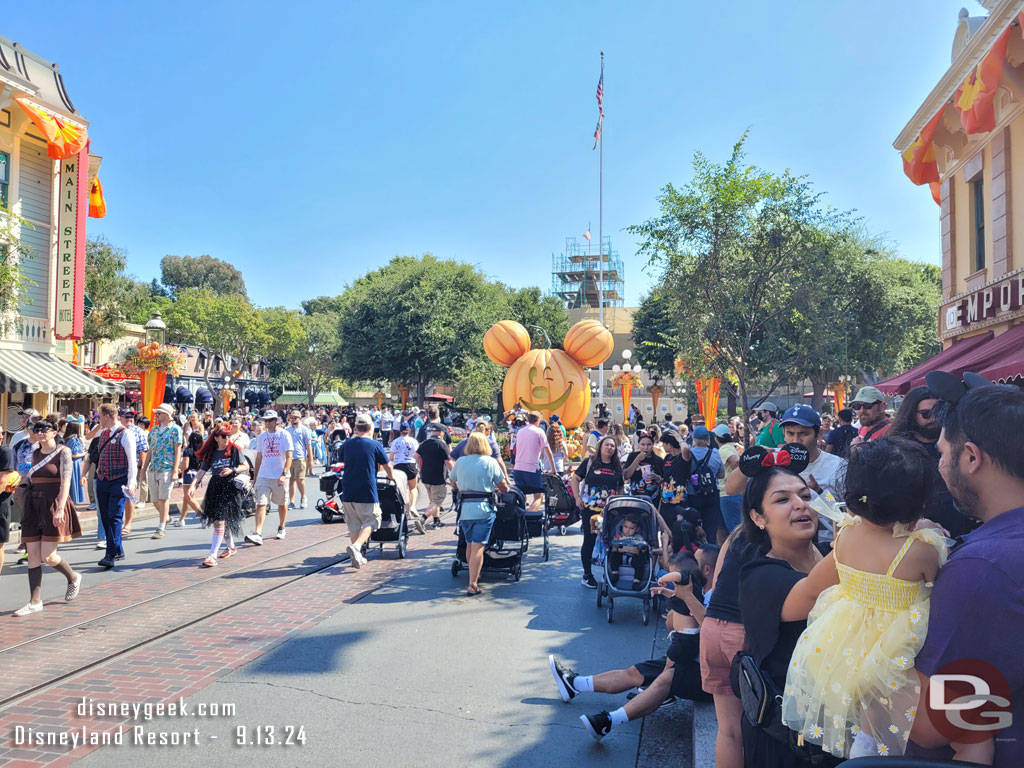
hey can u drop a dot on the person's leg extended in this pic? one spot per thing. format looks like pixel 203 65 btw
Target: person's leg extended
pixel 282 516
pixel 600 725
pixel 476 563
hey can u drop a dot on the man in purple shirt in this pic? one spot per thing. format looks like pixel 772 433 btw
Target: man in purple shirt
pixel 977 604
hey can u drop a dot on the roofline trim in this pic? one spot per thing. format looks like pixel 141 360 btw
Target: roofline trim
pixel 968 59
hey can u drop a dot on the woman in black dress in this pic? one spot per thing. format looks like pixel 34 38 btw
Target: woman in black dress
pixel 780 528
pixel 49 516
pixel 222 505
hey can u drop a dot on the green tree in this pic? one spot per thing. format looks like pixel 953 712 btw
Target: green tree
pixel 656 331
pixel 116 297
pixel 13 280
pixel 322 305
pixel 417 319
pixel 543 316
pixel 732 246
pixel 228 327
pixel 477 383
pixel 179 273
pixel 310 359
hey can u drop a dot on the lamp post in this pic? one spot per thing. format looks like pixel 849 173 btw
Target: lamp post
pixel 156 329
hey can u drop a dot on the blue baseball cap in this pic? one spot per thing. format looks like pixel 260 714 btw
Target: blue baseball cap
pixel 554 418
pixel 803 415
pixel 701 433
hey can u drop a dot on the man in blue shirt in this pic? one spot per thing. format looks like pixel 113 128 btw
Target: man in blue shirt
pixel 362 456
pixel 302 452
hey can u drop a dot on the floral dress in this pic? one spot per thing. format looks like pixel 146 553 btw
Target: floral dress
pixel 852 673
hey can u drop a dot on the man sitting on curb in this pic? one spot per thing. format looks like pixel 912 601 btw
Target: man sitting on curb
pixel 362 456
pixel 660 681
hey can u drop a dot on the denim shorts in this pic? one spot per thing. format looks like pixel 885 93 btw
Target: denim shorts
pixel 528 482
pixel 477 531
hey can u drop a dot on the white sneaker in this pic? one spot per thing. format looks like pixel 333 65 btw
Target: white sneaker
pixel 355 557
pixel 101 545
pixel 281 533
pixel 254 538
pixel 28 608
pixel 179 523
pixel 304 503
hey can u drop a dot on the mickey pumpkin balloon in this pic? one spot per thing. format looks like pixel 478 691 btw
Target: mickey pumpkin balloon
pixel 549 380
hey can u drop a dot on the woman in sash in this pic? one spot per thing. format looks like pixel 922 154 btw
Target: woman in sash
pixel 49 516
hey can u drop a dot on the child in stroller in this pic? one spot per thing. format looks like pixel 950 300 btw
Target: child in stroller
pixel 630 550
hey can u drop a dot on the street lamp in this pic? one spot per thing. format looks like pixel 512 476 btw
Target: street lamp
pixel 156 329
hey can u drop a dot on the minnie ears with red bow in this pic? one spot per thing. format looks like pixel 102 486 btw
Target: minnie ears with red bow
pixel 758 459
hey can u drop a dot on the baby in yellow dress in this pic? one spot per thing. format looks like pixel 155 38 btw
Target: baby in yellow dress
pixel 851 686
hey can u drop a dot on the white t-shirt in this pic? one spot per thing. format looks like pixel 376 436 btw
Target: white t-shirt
pixel 273 445
pixel 397 424
pixel 829 472
pixel 241 440
pixel 404 450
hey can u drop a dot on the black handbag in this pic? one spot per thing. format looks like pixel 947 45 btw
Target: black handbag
pixel 761 699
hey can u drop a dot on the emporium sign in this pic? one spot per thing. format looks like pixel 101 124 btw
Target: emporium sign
pixel 1000 300
pixel 71 209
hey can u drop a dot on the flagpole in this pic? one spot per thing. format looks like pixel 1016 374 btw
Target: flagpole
pixel 600 237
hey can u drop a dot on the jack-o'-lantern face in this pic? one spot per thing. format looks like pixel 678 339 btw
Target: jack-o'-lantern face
pixel 549 381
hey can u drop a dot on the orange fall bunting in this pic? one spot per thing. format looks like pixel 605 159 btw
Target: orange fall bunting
pixel 63 138
pixel 97 205
pixel 707 400
pixel 919 158
pixel 152 381
pixel 976 94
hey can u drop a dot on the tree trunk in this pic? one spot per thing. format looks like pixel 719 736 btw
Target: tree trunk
pixel 730 403
pixel 421 390
pixel 818 386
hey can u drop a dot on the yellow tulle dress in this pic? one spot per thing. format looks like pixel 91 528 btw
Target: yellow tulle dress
pixel 852 677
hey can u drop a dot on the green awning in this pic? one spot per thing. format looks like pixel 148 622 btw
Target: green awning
pixel 22 371
pixel 300 398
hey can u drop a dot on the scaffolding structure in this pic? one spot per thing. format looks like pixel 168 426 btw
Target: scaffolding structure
pixel 575 274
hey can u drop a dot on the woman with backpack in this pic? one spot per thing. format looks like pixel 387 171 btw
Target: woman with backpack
pixel 702 493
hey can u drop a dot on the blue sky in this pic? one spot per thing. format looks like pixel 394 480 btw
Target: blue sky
pixel 308 147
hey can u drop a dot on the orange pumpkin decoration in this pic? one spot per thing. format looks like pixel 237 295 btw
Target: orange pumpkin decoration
pixel 549 381
pixel 589 342
pixel 506 342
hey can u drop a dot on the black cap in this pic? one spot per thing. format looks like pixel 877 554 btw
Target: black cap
pixel 126 412
pixel 43 425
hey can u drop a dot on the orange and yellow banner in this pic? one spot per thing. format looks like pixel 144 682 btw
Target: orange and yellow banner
pixel 976 94
pixel 919 158
pixel 63 138
pixel 152 382
pixel 97 205
pixel 707 400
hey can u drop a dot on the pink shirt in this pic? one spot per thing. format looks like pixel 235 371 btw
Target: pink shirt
pixel 530 441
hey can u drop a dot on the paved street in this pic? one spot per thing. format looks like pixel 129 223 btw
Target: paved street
pixel 385 665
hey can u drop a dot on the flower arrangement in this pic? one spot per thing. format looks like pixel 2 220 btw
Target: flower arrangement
pixel 154 356
pixel 574 440
pixel 623 379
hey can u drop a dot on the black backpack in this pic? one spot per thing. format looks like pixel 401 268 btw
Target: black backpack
pixel 703 479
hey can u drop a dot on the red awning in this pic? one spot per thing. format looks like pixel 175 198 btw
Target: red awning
pixel 1000 359
pixel 440 398
pixel 946 360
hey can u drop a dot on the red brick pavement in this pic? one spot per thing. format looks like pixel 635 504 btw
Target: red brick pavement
pixel 185 661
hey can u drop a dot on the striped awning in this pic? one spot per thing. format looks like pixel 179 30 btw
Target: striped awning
pixel 22 371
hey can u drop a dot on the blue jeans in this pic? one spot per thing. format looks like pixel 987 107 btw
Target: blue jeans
pixel 110 508
pixel 732 511
pixel 477 531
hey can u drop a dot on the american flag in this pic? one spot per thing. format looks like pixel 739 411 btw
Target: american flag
pixel 600 109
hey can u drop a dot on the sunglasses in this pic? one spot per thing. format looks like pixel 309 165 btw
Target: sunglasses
pixel 925 414
pixel 859 406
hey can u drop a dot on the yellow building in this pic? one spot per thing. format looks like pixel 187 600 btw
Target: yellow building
pixel 50 195
pixel 967 141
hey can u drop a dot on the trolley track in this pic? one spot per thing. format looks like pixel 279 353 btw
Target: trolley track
pixel 64 637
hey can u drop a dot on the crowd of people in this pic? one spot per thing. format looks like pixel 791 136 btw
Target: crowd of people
pixel 816 571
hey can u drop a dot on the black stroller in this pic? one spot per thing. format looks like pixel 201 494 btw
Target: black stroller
pixel 394 525
pixel 561 507
pixel 510 536
pixel 629 558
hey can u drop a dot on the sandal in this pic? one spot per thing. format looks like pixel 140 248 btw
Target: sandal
pixel 209 562
pixel 227 552
pixel 474 593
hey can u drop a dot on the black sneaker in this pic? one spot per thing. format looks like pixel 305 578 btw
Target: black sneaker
pixel 563 679
pixel 589 581
pixel 599 725
pixel 667 702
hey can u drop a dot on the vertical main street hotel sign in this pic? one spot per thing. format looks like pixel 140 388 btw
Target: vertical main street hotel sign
pixel 991 304
pixel 71 209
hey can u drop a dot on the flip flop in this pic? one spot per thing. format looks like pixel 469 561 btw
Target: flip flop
pixel 471 593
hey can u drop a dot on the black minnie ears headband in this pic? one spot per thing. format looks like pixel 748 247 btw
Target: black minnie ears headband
pixel 950 388
pixel 758 459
